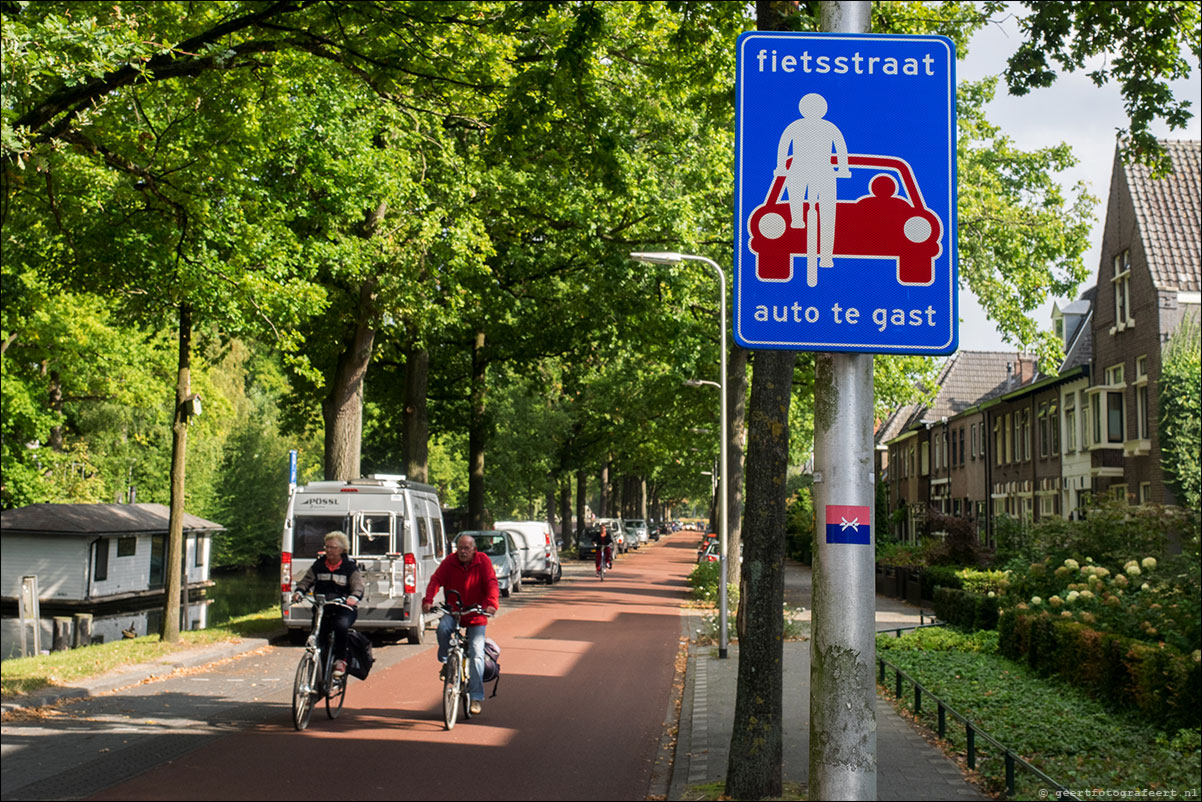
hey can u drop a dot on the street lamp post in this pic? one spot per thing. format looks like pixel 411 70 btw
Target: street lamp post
pixel 675 259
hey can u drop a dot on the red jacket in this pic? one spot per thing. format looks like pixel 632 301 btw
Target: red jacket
pixel 476 583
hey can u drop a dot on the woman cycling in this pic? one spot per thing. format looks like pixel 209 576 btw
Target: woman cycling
pixel 334 576
pixel 605 544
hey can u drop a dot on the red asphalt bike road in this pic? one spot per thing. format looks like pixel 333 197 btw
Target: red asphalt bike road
pixel 586 675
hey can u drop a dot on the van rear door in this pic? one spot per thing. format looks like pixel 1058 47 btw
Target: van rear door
pixel 371 548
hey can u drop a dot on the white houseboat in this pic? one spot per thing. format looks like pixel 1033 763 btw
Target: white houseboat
pixel 91 556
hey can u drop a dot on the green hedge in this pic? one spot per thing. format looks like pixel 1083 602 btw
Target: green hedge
pixel 1157 680
pixel 964 610
pixel 936 576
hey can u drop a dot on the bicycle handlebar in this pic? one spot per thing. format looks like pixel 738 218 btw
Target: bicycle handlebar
pixel 316 601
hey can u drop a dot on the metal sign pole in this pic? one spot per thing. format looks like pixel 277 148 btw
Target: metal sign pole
pixel 843 648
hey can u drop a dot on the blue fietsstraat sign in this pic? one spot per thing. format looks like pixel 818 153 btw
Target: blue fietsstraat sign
pixel 845 193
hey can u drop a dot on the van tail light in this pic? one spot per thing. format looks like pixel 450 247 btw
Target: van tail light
pixel 410 573
pixel 285 572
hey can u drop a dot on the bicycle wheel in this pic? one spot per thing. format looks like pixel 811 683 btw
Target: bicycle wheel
pixel 333 689
pixel 451 690
pixel 303 691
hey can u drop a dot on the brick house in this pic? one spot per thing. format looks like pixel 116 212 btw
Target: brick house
pixel 1148 282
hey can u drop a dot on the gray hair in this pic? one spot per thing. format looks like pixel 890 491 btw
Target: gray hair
pixel 339 538
pixel 461 537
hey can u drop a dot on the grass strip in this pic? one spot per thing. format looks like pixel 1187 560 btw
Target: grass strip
pixel 1070 736
pixel 23 675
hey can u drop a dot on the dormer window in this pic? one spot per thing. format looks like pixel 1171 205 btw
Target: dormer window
pixel 1122 291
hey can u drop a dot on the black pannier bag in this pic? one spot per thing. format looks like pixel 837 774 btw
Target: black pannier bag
pixel 492 664
pixel 359 656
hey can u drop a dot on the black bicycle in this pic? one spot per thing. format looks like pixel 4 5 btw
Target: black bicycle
pixel 315 674
pixel 457 669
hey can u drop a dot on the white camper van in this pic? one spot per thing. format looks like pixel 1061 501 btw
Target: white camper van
pixel 540 556
pixel 396 534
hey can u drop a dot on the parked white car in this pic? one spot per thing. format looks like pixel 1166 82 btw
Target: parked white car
pixel 638 528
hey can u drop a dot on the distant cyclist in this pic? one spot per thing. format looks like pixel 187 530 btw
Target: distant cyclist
pixel 605 544
pixel 334 576
pixel 471 574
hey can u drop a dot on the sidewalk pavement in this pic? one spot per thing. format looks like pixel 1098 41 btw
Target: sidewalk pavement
pixel 141 672
pixel 908 767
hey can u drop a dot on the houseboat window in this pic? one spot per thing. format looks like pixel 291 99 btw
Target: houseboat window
pixel 100 571
pixel 127 546
pixel 309 533
pixel 158 548
pixel 199 545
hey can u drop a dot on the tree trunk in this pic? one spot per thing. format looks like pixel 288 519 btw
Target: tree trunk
pixel 565 510
pixel 55 400
pixel 754 768
pixel 581 502
pixel 736 412
pixel 174 558
pixel 417 415
pixel 342 409
pixel 603 501
pixel 476 437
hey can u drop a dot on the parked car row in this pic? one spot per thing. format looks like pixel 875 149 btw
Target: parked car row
pixel 519 550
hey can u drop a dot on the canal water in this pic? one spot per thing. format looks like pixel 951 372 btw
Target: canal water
pixel 234 593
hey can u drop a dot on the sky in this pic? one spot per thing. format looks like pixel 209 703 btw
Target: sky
pixel 1073 111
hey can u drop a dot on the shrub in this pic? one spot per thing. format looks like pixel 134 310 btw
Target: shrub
pixel 704 583
pixel 959 546
pixel 939 576
pixel 965 610
pixel 1181 414
pixel 1155 679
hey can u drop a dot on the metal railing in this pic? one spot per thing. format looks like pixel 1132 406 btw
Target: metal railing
pixel 972 732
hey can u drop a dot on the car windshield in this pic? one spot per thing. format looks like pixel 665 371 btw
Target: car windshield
pixel 492 545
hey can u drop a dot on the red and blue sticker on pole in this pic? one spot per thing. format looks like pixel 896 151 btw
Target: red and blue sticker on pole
pixel 847 524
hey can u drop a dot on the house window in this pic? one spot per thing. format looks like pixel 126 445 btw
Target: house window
pixel 925 458
pixel 1114 417
pixel 1145 492
pixel 1141 398
pixel 972 439
pixel 961 446
pixel 1122 290
pixel 1054 419
pixel 1026 441
pixel 100 571
pixel 199 552
pixel 1044 435
pixel 127 546
pixel 1070 422
pixel 999 440
pixel 1119 492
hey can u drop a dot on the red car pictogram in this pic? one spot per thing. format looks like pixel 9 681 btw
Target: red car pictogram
pixel 879 225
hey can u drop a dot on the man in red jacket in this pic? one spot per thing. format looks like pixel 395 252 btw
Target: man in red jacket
pixel 471 574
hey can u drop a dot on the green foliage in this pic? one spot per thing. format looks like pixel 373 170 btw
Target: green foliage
pixel 799 526
pixel 1021 234
pixel 1141 46
pixel 958 543
pixel 1160 682
pixel 1016 542
pixel 965 609
pixel 938 639
pixel 1079 741
pixel 703 581
pixel 984 582
pixel 1180 398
